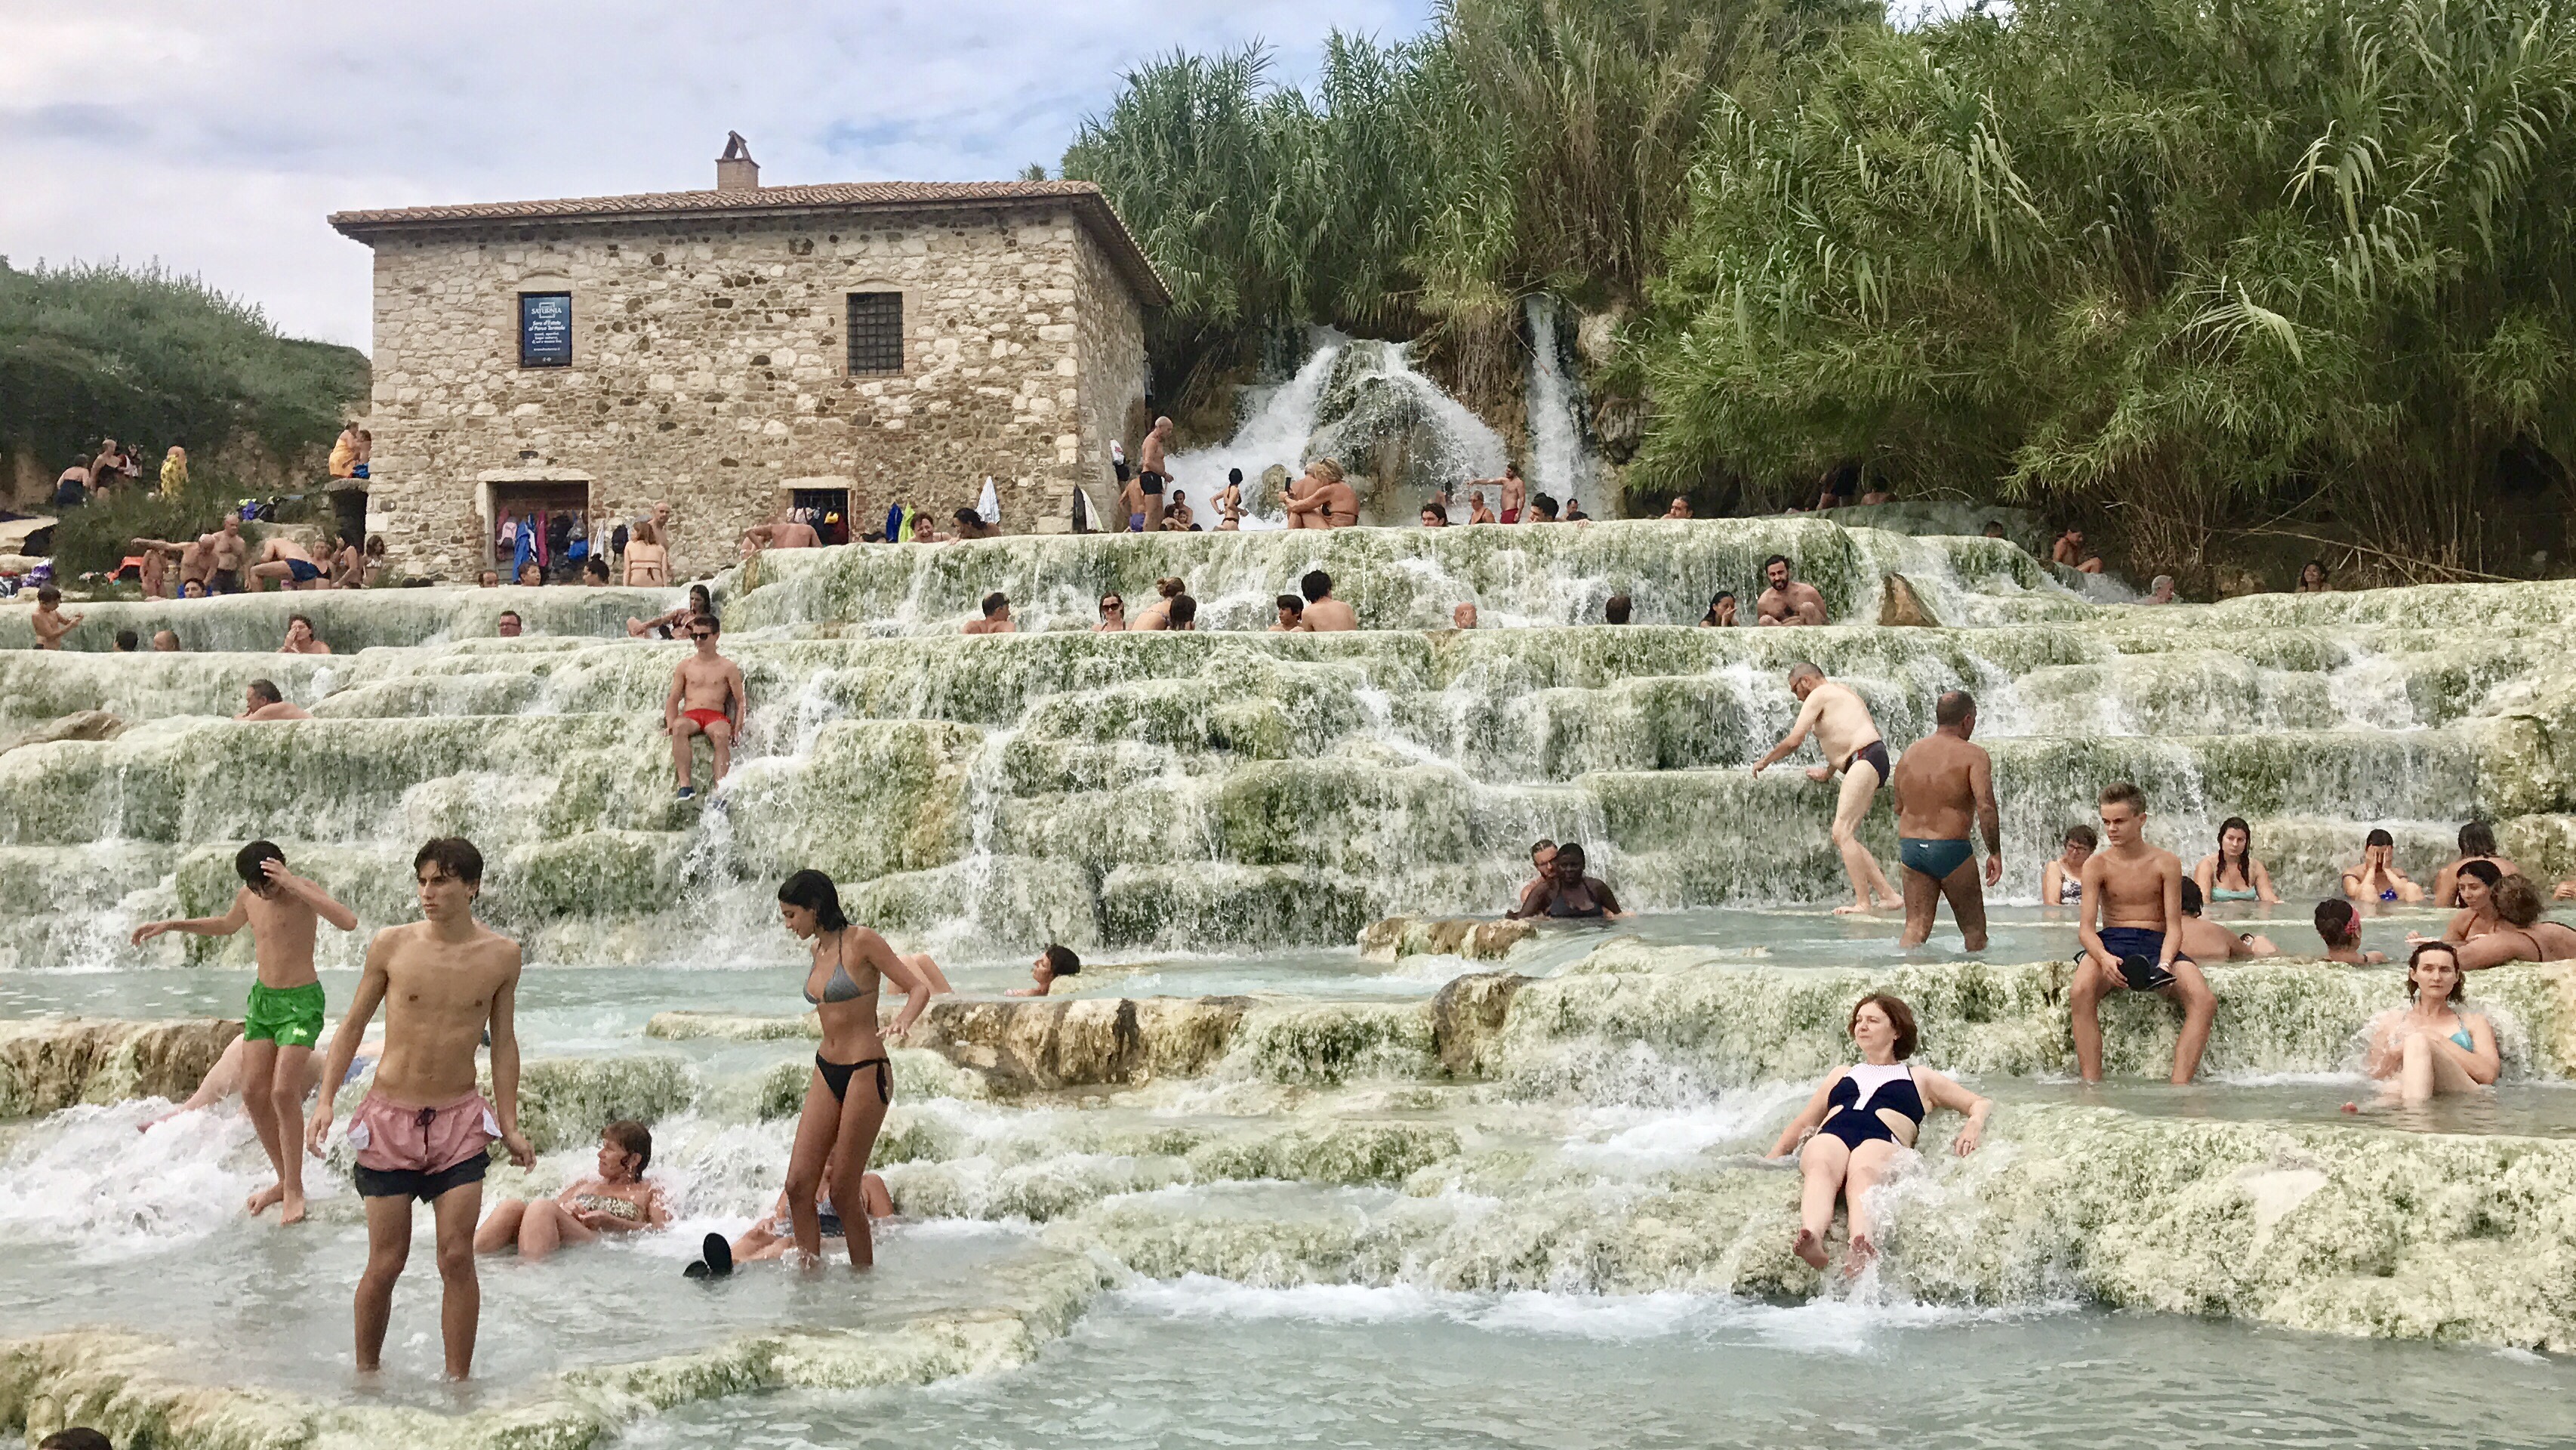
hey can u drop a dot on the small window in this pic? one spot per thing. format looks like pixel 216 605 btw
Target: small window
pixel 876 332
pixel 545 329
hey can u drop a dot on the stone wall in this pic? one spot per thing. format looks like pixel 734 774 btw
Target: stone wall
pixel 1113 378
pixel 709 369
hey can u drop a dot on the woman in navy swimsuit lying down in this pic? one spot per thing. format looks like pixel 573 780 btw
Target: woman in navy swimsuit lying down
pixel 1859 1118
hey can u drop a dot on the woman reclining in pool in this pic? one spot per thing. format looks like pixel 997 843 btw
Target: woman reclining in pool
pixel 617 1200
pixel 1859 1118
pixel 2434 1045
pixel 2520 935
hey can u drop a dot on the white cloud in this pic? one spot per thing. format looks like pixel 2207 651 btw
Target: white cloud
pixel 216 137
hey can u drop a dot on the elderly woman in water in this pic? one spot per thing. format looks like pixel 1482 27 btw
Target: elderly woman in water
pixel 1860 1118
pixel 616 1199
pixel 2434 1045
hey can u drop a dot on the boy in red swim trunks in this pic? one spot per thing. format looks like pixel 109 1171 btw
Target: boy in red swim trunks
pixel 423 1130
pixel 707 698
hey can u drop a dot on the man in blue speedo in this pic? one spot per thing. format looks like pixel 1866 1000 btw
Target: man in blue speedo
pixel 1940 782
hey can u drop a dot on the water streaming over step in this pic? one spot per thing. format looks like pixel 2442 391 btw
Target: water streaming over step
pixel 1214 816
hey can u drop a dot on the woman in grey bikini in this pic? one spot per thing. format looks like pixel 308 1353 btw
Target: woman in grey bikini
pixel 853 1081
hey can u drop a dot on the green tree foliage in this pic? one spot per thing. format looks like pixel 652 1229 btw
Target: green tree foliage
pixel 156 359
pixel 2208 264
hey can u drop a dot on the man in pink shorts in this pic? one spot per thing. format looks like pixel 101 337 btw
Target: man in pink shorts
pixel 423 1130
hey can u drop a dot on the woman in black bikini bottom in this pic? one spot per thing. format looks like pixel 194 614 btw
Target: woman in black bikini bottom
pixel 853 1082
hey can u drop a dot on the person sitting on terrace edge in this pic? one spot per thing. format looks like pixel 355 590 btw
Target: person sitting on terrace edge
pixel 1292 615
pixel 1113 615
pixel 2069 550
pixel 1325 614
pixel 1787 600
pixel 1721 611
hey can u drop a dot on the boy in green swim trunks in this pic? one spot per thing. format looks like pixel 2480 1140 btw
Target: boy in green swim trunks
pixel 284 1018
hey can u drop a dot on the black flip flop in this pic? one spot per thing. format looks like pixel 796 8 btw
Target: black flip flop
pixel 719 1257
pixel 2143 975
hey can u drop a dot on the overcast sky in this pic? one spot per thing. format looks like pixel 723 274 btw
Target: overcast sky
pixel 216 136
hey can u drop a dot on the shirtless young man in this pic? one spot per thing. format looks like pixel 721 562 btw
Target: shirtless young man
pixel 1154 472
pixel 2131 927
pixel 422 1131
pixel 1515 494
pixel 284 1018
pixel 1292 615
pixel 2069 550
pixel 1324 614
pixel 49 621
pixel 300 638
pixel 997 616
pixel 707 698
pixel 262 701
pixel 285 561
pixel 1785 600
pixel 1940 782
pixel 784 532
pixel 1850 740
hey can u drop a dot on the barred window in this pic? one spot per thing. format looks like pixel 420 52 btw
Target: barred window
pixel 876 332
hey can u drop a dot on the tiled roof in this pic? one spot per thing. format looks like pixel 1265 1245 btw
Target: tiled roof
pixel 1086 200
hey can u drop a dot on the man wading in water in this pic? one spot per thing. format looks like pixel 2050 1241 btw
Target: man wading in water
pixel 1849 738
pixel 284 1018
pixel 423 1130
pixel 1940 782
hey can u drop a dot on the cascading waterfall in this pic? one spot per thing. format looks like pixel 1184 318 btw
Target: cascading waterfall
pixel 1562 461
pixel 1234 1104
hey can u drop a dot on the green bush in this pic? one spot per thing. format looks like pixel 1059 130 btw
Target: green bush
pixel 153 359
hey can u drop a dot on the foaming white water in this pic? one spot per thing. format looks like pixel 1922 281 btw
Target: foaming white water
pixel 1561 462
pixel 1273 431
pixel 1634 1140
pixel 86 1177
pixel 1845 1322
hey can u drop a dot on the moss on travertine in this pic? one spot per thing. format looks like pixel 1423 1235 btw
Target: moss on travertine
pixel 52 1063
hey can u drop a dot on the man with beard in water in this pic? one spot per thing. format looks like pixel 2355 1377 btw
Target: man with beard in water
pixel 423 1131
pixel 284 1018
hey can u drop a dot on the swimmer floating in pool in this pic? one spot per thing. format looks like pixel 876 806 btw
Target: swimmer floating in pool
pixel 615 1200
pixel 1860 1118
pixel 853 1081
pixel 2434 1045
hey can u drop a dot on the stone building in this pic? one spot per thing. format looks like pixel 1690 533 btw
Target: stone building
pixel 746 349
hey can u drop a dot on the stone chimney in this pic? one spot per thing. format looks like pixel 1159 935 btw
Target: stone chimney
pixel 735 170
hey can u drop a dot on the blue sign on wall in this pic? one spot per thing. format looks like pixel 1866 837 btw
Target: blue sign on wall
pixel 545 329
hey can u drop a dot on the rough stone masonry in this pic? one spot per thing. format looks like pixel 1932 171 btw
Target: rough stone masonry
pixel 711 364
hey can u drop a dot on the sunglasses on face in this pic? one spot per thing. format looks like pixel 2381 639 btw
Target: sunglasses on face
pixel 1109 605
pixel 700 634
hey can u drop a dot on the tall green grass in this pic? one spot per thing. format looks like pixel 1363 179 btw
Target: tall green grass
pixel 153 358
